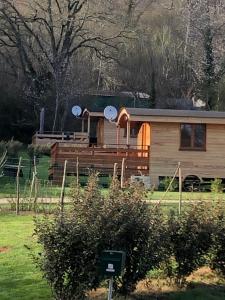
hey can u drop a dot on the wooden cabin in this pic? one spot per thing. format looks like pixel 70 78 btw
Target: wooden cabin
pixel 103 133
pixel 196 139
pixel 78 130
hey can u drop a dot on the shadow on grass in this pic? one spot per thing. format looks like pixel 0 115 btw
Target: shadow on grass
pixel 24 289
pixel 194 291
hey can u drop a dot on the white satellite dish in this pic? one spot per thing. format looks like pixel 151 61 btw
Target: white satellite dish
pixel 76 110
pixel 110 113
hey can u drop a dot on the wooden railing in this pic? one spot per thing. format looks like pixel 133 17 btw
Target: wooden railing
pixel 51 138
pixel 101 159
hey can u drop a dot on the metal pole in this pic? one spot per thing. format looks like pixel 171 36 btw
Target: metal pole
pixel 110 289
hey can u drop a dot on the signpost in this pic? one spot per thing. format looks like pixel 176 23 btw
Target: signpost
pixel 112 264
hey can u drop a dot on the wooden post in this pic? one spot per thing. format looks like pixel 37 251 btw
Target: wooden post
pixel 122 173
pixel 128 133
pixel 63 187
pixel 18 187
pixel 180 187
pixel 89 125
pixel 32 186
pixel 82 129
pixel 117 136
pixel 35 183
pixel 114 171
pixel 77 170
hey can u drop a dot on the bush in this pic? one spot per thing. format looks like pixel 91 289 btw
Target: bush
pixel 12 147
pixel 190 240
pixel 129 224
pixel 165 182
pixel 72 244
pixel 217 186
pixel 38 150
pixel 217 255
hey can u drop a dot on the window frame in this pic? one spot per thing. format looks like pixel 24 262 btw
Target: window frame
pixel 192 147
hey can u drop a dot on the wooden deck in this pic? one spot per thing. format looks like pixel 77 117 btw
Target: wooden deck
pixel 100 159
pixel 48 138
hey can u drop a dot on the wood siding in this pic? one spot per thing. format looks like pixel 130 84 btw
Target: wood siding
pixel 165 153
pixel 110 135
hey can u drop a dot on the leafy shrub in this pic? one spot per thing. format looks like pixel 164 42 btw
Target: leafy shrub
pixel 13 147
pixel 38 150
pixel 217 186
pixel 165 182
pixel 72 244
pixel 130 225
pixel 217 254
pixel 190 240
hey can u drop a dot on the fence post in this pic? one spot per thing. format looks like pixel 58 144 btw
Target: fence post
pixel 18 187
pixel 180 187
pixel 35 183
pixel 63 187
pixel 77 170
pixel 114 171
pixel 122 173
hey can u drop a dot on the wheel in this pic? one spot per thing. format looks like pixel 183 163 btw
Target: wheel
pixel 191 183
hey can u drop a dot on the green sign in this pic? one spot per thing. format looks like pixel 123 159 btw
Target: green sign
pixel 112 263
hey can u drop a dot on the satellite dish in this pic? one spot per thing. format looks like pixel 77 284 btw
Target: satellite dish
pixel 110 113
pixel 76 110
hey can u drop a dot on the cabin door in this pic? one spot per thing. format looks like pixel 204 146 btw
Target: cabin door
pixel 100 132
pixel 144 136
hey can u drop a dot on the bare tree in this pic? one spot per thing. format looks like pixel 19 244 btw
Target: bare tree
pixel 47 34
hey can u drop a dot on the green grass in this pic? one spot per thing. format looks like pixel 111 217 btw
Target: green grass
pixel 19 278
pixel 187 196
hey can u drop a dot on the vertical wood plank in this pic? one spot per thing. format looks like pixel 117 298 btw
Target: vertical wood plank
pixel 63 188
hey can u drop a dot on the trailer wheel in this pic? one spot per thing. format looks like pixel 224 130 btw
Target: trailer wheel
pixel 191 183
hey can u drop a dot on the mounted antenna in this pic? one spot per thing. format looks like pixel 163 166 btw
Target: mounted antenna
pixel 76 111
pixel 110 113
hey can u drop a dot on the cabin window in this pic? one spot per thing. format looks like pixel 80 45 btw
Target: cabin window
pixel 193 137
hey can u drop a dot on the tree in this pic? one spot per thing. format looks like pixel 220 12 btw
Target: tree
pixel 46 36
pixel 204 47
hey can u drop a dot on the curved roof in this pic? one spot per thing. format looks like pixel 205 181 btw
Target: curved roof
pixel 169 115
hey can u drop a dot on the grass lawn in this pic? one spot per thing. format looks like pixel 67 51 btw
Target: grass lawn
pixel 20 280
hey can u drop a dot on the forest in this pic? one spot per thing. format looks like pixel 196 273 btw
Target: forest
pixel 53 50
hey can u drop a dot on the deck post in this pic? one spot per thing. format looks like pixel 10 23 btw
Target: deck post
pixel 117 136
pixel 89 125
pixel 82 126
pixel 128 133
